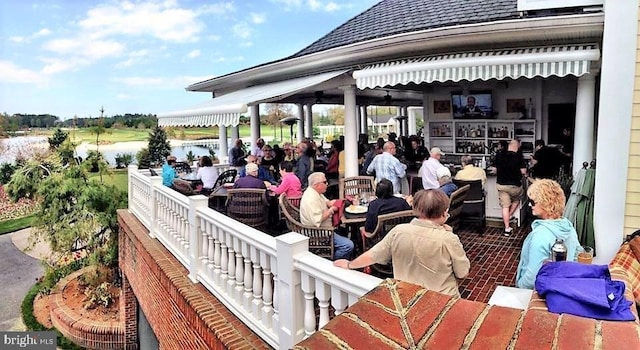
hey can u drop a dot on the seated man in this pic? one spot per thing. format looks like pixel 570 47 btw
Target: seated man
pixel 469 172
pixel 251 180
pixel 385 203
pixel 424 251
pixel 169 172
pixel 316 210
pixel 444 179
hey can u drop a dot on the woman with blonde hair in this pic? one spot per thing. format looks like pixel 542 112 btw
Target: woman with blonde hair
pixel 547 203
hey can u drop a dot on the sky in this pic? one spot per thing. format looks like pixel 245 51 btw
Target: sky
pixel 70 58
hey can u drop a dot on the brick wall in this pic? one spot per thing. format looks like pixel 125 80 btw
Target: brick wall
pixel 91 334
pixel 183 315
pixel 400 315
pixel 632 206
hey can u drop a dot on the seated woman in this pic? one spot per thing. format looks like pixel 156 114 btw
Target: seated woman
pixel 290 184
pixel 333 162
pixel 269 162
pixel 385 203
pixel 208 174
pixel 547 202
pixel 424 251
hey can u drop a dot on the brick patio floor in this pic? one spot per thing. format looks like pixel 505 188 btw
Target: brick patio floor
pixel 494 259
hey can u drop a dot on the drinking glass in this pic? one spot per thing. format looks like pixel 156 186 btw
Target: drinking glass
pixel 586 255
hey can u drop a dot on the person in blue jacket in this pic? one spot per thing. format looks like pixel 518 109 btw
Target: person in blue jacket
pixel 547 203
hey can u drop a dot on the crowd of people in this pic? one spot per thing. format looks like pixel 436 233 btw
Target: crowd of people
pixel 424 251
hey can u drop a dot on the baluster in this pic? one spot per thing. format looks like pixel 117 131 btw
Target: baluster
pixel 248 279
pixel 217 255
pixel 211 250
pixel 276 300
pixel 239 270
pixel 224 260
pixel 353 299
pixel 204 252
pixel 267 291
pixel 257 283
pixel 323 293
pixel 231 281
pixel 184 230
pixel 338 300
pixel 308 288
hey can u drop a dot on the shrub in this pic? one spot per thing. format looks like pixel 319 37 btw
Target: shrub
pixel 123 160
pixel 6 170
pixel 143 158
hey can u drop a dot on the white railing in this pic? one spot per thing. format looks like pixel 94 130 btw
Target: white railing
pixel 268 283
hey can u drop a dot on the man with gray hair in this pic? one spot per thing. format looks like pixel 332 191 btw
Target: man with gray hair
pixel 469 172
pixel 387 166
pixel 429 167
pixel 316 210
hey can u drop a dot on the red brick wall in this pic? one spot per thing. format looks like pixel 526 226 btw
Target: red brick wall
pixel 182 315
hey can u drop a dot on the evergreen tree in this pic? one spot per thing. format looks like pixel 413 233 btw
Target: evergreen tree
pixel 57 138
pixel 159 147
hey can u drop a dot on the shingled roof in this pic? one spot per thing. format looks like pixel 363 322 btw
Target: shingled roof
pixel 390 17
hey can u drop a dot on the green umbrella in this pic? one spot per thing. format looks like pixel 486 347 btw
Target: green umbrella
pixel 584 211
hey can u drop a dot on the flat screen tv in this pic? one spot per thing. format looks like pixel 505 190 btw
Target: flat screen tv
pixel 474 105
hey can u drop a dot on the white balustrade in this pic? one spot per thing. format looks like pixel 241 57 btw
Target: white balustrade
pixel 269 283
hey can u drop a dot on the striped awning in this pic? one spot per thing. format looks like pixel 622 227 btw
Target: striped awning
pixel 226 109
pixel 483 65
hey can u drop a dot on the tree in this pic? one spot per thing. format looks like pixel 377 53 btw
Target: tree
pixel 159 148
pixel 57 138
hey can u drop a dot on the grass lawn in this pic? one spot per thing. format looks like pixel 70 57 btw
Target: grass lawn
pixel 124 135
pixel 16 224
pixel 118 177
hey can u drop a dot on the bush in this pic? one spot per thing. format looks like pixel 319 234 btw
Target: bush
pixel 95 161
pixel 143 158
pixel 123 160
pixel 6 170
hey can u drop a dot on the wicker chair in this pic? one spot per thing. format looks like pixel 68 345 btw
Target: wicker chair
pixel 385 223
pixel 351 186
pixel 473 209
pixel 248 205
pixel 226 177
pixel 182 167
pixel 455 208
pixel 183 187
pixel 320 238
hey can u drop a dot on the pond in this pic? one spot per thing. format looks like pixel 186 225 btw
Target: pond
pixel 14 146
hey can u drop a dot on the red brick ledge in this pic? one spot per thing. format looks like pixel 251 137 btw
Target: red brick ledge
pixel 400 315
pixel 90 334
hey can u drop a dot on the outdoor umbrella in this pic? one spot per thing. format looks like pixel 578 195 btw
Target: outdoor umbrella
pixel 579 207
pixel 574 197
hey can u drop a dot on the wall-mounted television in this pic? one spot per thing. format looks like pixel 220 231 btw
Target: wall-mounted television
pixel 473 105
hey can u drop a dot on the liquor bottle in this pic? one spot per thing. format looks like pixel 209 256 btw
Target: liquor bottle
pixel 559 251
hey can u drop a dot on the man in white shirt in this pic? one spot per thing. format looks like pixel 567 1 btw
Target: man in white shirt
pixel 256 150
pixel 429 167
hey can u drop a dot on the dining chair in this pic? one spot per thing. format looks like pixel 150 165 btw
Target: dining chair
pixel 320 238
pixel 385 223
pixel 227 176
pixel 473 208
pixel 356 185
pixel 455 207
pixel 248 205
pixel 182 167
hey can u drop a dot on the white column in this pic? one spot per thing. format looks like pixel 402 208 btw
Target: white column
pixel 223 140
pixel 308 123
pixel 364 120
pixel 583 135
pixel 359 120
pixel 300 122
pixel 289 293
pixel 350 132
pixel 425 119
pixel 411 121
pixel 254 114
pixel 235 133
pixel 619 45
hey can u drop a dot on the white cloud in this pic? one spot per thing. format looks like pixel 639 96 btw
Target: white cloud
pixel 332 6
pixel 257 18
pixel 242 30
pixel 247 44
pixel 123 97
pixel 134 58
pixel 10 73
pixel 313 5
pixel 165 21
pixel 17 39
pixel 85 47
pixel 193 54
pixel 42 32
pixel 217 9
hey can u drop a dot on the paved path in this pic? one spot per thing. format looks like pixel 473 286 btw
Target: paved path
pixel 18 273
